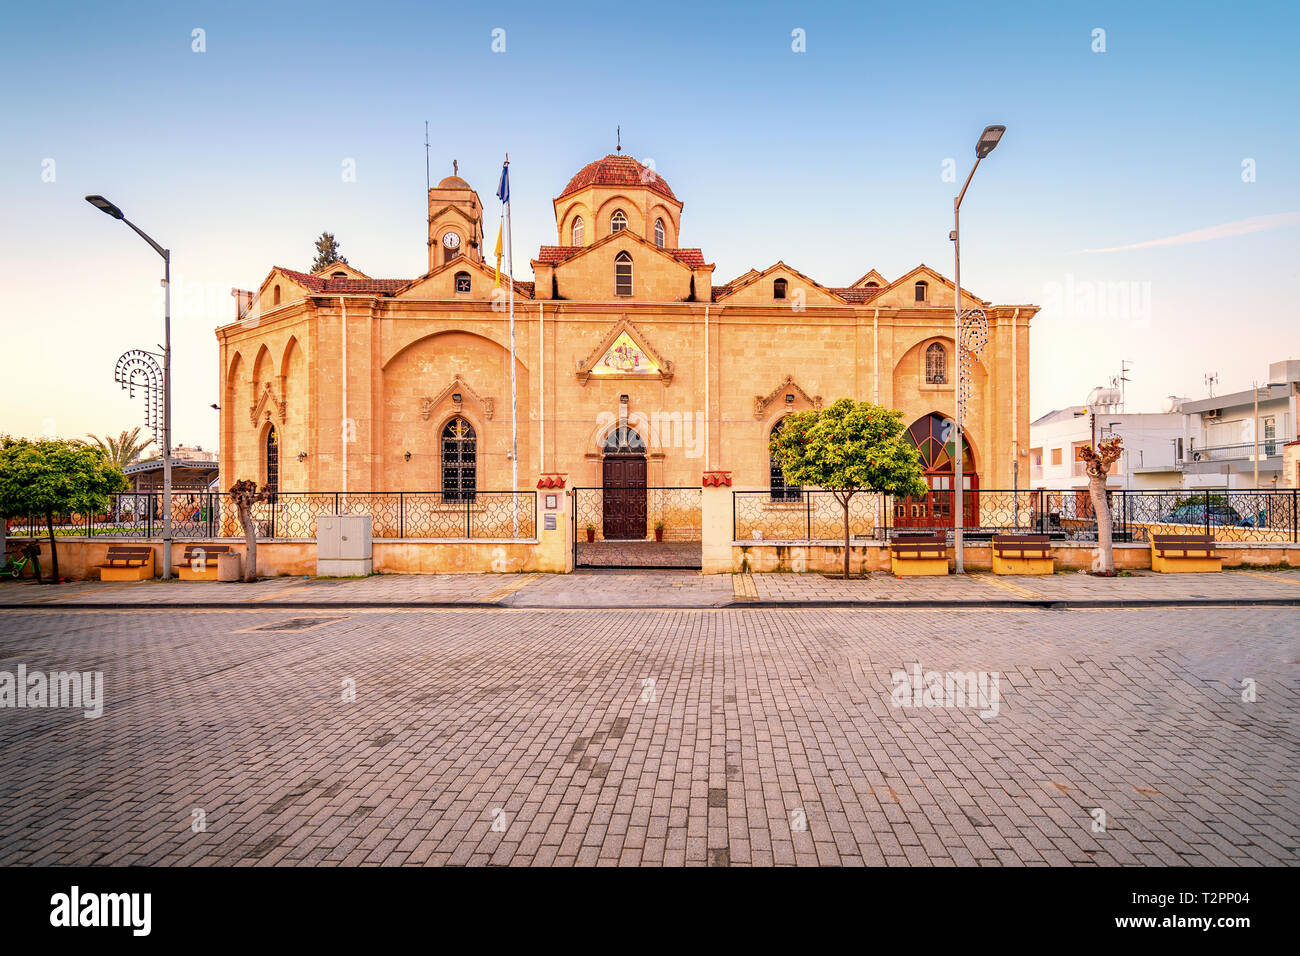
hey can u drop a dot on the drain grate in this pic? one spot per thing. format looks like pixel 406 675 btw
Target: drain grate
pixel 298 623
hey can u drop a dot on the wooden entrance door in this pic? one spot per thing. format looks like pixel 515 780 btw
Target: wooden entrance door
pixel 931 438
pixel 624 497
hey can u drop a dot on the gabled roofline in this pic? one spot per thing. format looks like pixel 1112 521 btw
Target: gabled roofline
pixel 460 262
pixel 923 268
pixel 666 253
pixel 780 264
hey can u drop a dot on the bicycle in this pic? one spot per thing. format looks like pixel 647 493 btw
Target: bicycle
pixel 15 562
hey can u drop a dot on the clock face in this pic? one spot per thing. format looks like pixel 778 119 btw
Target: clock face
pixel 450 240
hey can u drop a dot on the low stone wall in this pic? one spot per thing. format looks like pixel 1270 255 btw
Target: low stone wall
pixel 827 557
pixel 79 558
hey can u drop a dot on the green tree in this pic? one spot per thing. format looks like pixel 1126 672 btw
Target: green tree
pixel 42 477
pixel 846 448
pixel 124 449
pixel 327 252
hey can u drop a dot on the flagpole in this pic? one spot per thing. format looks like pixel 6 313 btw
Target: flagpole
pixel 514 394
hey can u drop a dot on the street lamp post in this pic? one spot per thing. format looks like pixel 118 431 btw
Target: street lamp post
pixel 106 207
pixel 987 142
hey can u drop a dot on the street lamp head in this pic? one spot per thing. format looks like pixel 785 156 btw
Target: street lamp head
pixel 988 140
pixel 103 205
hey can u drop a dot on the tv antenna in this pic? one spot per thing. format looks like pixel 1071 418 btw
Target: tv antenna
pixel 1211 380
pixel 1119 381
pixel 427 184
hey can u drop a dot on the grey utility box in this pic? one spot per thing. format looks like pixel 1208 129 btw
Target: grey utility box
pixel 343 545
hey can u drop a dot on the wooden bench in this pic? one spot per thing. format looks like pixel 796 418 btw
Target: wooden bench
pixel 919 555
pixel 1022 554
pixel 1174 553
pixel 127 562
pixel 200 561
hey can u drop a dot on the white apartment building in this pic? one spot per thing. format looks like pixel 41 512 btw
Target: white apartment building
pixel 1150 457
pixel 1222 441
pixel 1229 439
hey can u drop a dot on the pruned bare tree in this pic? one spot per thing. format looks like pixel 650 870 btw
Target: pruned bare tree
pixel 1097 462
pixel 245 494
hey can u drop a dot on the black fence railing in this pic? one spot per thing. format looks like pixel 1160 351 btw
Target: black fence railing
pixel 616 514
pixel 1261 516
pixel 480 515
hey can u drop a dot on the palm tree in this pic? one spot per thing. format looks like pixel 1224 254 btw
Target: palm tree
pixel 125 448
pixel 122 451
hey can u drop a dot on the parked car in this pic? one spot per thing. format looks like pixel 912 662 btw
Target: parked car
pixel 1195 514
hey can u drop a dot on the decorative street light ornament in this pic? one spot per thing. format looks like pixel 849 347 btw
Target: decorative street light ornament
pixel 974 337
pixel 139 369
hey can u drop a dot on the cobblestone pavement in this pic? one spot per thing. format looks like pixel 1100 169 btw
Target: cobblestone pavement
pixel 673 588
pixel 695 736
pixel 1142 585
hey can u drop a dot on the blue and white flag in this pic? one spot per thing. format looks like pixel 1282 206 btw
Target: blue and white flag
pixel 503 188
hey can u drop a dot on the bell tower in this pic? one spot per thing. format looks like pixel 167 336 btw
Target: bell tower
pixel 455 221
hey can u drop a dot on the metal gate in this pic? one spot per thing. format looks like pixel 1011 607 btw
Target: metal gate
pixel 628 525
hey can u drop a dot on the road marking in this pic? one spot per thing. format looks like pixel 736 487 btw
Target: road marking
pixel 503 592
pixel 294 589
pixel 1016 589
pixel 101 590
pixel 1269 577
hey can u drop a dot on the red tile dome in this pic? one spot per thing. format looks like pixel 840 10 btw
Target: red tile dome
pixel 618 170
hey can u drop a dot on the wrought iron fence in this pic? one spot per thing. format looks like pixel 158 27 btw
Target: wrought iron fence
pixel 1260 516
pixel 481 515
pixel 804 516
pixel 677 510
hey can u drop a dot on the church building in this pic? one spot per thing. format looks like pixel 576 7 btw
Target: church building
pixel 634 364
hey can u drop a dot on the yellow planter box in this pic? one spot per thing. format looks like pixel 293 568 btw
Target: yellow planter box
pixel 1003 565
pixel 187 573
pixel 142 572
pixel 1177 565
pixel 916 567
pixel 127 572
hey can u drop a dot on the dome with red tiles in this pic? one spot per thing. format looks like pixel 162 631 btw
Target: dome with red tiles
pixel 618 170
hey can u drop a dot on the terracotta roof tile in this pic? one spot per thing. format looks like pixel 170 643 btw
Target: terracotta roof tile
pixel 618 170
pixel 857 293
pixel 321 284
pixel 554 255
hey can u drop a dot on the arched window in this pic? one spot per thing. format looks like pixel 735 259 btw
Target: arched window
pixel 778 288
pixel 338 275
pixel 872 285
pixel 275 296
pixel 623 440
pixel 936 365
pixel 659 233
pixel 618 221
pixel 781 491
pixel 622 274
pixel 578 233
pixel 272 462
pixel 462 282
pixel 459 461
pixel 921 289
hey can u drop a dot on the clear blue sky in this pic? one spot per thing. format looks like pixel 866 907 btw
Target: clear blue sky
pixel 830 159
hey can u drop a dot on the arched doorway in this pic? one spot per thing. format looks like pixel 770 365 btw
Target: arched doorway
pixel 272 463
pixel 931 437
pixel 623 484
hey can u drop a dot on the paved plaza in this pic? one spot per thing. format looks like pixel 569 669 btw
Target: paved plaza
pixel 671 588
pixel 340 735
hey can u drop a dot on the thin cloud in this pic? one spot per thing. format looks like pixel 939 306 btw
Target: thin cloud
pixel 1239 228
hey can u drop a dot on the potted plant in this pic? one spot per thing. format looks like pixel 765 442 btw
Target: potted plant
pixel 659 530
pixel 591 532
